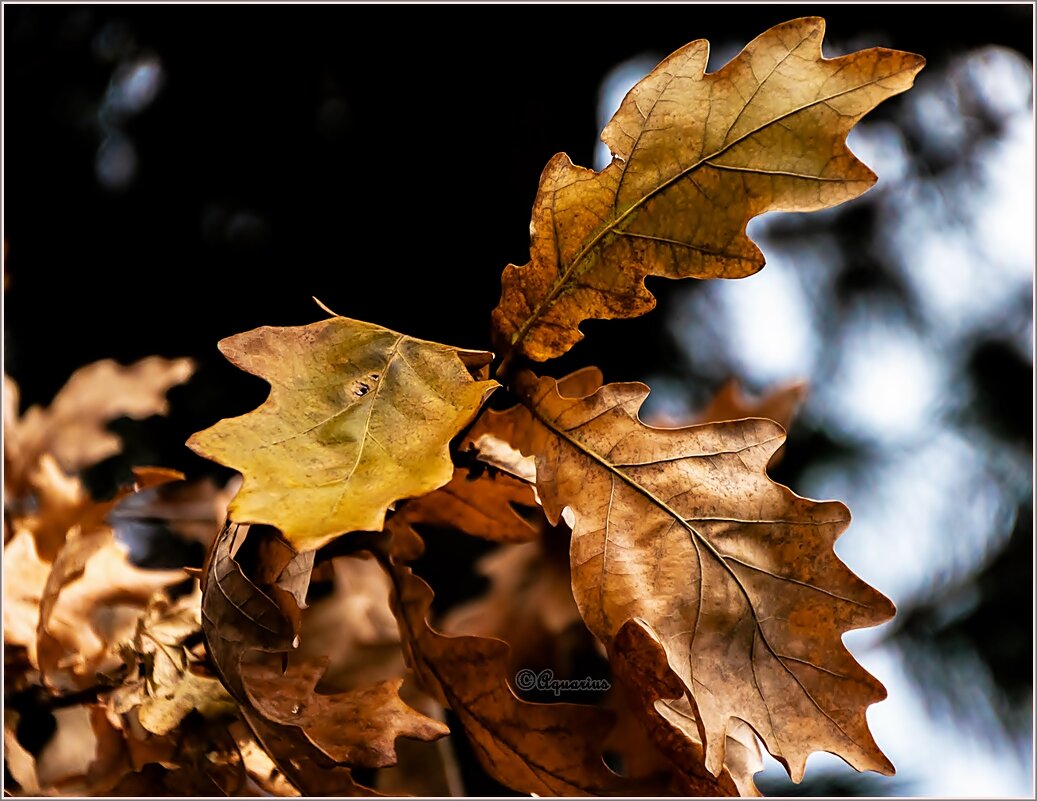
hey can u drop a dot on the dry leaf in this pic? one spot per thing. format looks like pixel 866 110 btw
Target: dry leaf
pixel 481 505
pixel 357 728
pixel 236 616
pixel 25 576
pixel 358 418
pixel 240 622
pixel 547 749
pixel 88 605
pixel 639 665
pixel 529 602
pixel 696 156
pixel 19 762
pixel 72 428
pixel 734 573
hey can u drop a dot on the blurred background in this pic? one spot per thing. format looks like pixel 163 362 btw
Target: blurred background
pixel 177 174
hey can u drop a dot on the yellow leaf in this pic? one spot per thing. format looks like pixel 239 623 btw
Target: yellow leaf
pixel 696 156
pixel 734 573
pixel 163 713
pixel 358 418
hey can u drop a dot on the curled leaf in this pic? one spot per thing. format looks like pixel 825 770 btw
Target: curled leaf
pixel 237 616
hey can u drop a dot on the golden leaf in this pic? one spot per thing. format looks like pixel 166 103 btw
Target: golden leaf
pixel 735 574
pixel 358 418
pixel 695 157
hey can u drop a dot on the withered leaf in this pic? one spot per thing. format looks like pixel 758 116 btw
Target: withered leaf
pixel 639 664
pixel 91 601
pixel 695 157
pixel 735 574
pixel 547 749
pixel 25 576
pixel 358 418
pixel 304 765
pixel 483 506
pixel 72 428
pixel 529 602
pixel 236 616
pixel 357 728
pixel 161 713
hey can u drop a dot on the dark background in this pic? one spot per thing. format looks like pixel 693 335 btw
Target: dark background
pixel 385 159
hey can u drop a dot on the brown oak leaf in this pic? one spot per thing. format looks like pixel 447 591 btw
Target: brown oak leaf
pixel 695 157
pixel 734 573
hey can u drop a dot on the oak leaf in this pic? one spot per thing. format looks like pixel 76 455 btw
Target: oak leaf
pixel 734 573
pixel 91 601
pixel 639 664
pixel 358 418
pixel 483 506
pixel 529 602
pixel 547 749
pixel 72 429
pixel 695 157
pixel 357 728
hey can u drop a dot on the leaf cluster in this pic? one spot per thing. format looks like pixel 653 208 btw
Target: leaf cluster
pixel 711 594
